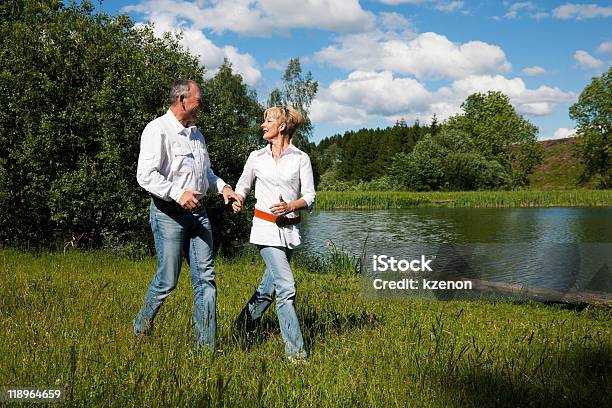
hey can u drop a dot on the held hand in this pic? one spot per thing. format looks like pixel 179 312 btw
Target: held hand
pixel 236 206
pixel 281 208
pixel 236 202
pixel 190 200
pixel 228 194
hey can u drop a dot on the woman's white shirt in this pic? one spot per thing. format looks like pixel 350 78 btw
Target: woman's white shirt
pixel 290 177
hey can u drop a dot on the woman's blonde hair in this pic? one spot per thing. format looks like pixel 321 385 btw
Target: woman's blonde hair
pixel 291 117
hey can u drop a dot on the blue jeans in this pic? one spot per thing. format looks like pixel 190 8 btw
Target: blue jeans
pixel 174 234
pixel 278 279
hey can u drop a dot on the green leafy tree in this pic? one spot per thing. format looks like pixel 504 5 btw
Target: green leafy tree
pixel 447 161
pixel 593 112
pixel 499 133
pixel 276 98
pixel 78 88
pixel 298 92
pixel 229 120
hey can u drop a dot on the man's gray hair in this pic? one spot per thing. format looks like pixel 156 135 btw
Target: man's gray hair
pixel 179 88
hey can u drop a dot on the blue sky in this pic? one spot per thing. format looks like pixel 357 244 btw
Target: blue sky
pixel 379 61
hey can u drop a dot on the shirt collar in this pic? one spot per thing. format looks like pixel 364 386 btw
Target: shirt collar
pixel 289 150
pixel 178 126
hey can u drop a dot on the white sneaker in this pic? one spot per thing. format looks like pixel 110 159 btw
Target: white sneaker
pixel 297 360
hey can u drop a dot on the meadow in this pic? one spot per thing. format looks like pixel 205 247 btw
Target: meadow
pixel 377 200
pixel 65 320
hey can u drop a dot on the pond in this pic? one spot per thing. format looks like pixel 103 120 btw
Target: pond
pixel 557 248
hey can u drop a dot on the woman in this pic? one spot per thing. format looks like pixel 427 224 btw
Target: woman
pixel 283 186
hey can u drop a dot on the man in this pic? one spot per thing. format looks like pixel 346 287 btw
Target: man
pixel 174 167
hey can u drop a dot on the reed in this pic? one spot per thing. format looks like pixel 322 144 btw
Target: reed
pixel 330 200
pixel 65 320
pixel 335 261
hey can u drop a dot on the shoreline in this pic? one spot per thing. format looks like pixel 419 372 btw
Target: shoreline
pixel 379 200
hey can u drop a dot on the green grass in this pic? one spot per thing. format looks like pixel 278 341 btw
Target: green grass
pixel 331 200
pixel 560 168
pixel 66 321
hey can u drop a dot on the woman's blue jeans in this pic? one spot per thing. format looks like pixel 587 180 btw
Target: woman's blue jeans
pixel 278 279
pixel 175 234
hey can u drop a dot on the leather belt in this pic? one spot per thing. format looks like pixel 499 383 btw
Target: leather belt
pixel 171 207
pixel 281 220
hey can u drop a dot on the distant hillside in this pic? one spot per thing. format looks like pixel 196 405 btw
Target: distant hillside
pixel 559 169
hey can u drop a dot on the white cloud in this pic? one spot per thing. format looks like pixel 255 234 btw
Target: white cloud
pixel 369 96
pixel 581 11
pixel 587 61
pixel 366 94
pixel 561 133
pixel 396 2
pixel 605 47
pixel 523 9
pixel 449 7
pixel 276 65
pixel 209 55
pixel 394 21
pixel 428 56
pixel 244 64
pixel 381 93
pixel 535 102
pixel 325 110
pixel 261 17
pixel 515 8
pixel 446 6
pixel 533 71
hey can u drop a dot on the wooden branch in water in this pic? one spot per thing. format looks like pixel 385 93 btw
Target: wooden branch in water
pixel 545 294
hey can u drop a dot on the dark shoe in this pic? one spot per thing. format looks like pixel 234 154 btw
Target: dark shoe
pixel 245 322
pixel 143 333
pixel 245 327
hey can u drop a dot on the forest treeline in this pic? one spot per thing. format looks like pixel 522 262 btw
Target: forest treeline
pixel 487 146
pixel 365 154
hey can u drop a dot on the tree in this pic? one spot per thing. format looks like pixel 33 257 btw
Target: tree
pixel 298 92
pixel 78 88
pixel 434 127
pixel 276 98
pixel 499 133
pixel 593 112
pixel 229 120
pixel 447 161
pixel 363 155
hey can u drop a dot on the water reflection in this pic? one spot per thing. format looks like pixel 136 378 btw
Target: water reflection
pixel 530 246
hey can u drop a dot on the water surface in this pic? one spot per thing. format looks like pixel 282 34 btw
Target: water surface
pixel 548 247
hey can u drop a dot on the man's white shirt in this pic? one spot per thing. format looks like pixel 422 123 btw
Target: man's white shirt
pixel 174 159
pixel 290 177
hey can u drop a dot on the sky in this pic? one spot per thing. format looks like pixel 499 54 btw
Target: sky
pixel 380 61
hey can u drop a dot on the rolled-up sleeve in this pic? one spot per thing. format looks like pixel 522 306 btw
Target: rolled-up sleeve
pixel 243 187
pixel 307 188
pixel 150 161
